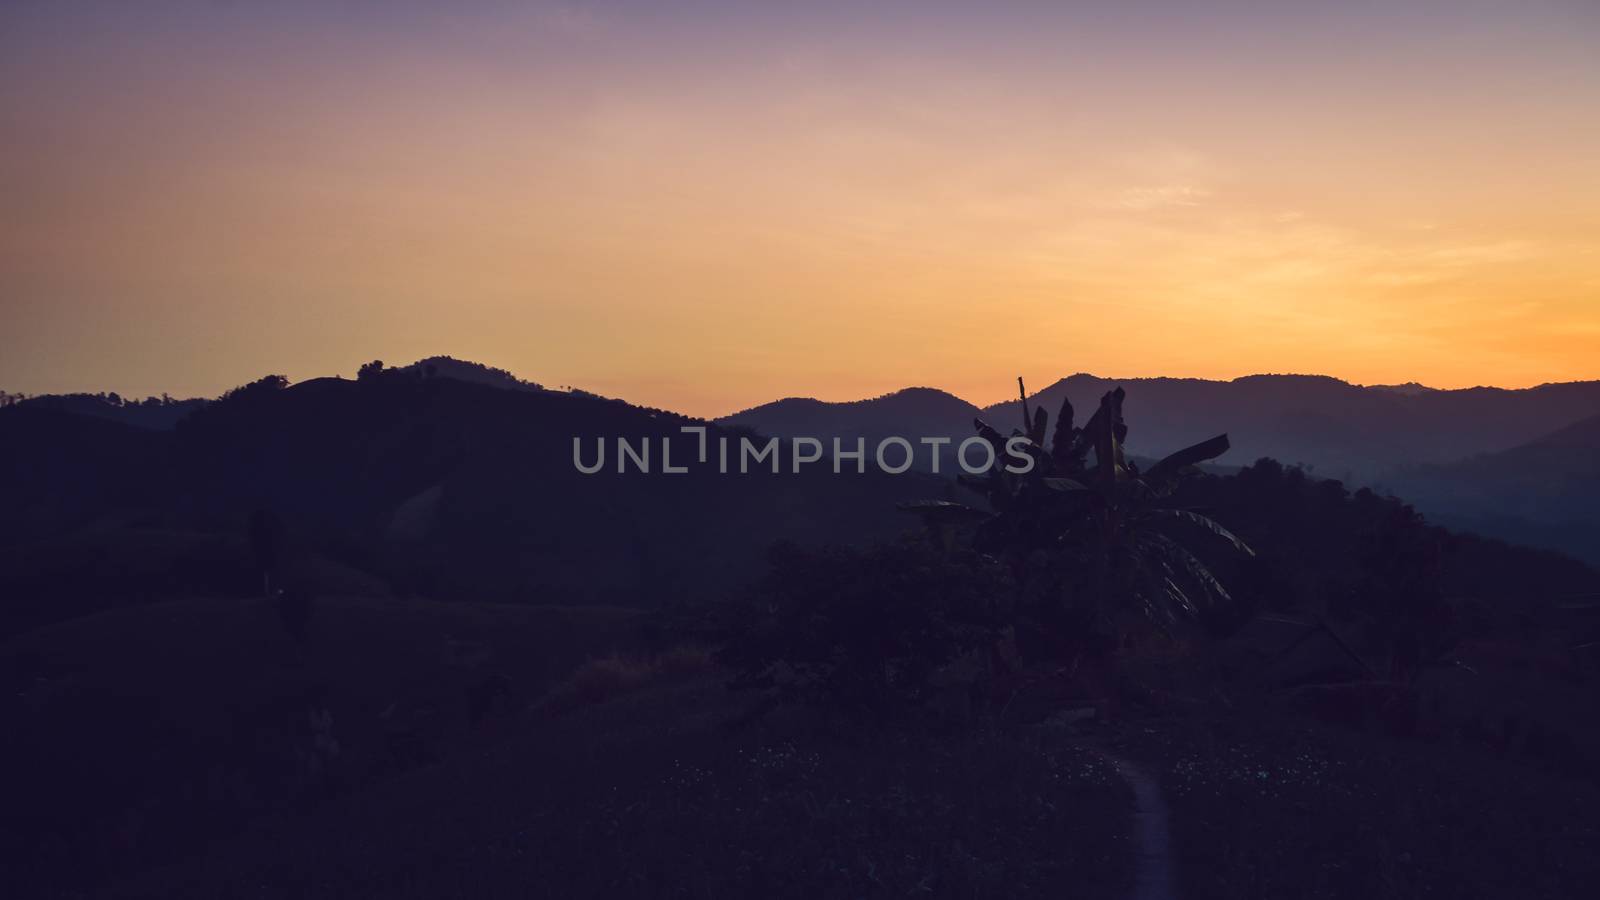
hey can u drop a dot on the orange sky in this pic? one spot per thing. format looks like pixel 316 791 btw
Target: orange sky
pixel 718 207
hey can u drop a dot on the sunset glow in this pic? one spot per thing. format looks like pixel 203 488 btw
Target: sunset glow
pixel 706 206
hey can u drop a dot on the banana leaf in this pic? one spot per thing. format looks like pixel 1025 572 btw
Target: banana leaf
pixel 1206 523
pixel 1189 456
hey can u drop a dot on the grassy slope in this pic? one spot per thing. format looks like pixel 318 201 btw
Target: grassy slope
pixel 93 570
pixel 649 796
pixel 134 733
pixel 1274 806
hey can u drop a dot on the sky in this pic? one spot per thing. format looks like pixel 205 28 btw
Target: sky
pixel 704 206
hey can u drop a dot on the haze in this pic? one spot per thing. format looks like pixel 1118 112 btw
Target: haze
pixel 713 205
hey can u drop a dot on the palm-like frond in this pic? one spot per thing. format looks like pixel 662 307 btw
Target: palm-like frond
pixel 1207 523
pixel 1189 456
pixel 1092 531
pixel 1178 555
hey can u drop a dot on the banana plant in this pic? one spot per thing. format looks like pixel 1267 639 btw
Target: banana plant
pixel 1098 536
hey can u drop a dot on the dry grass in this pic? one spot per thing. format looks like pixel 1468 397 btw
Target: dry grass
pixel 650 796
pixel 815 811
pixel 1272 807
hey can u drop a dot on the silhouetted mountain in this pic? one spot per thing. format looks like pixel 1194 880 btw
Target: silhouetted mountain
pixel 151 412
pixel 1323 549
pixel 910 413
pixel 1339 429
pixel 1544 492
pixel 445 488
pixel 60 469
pixel 1380 435
pixel 465 486
pixel 465 370
pixel 1410 388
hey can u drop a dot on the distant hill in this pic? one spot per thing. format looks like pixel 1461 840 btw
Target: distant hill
pixel 471 372
pixel 152 412
pixel 1545 492
pixel 441 487
pixel 923 406
pixel 1550 473
pixel 61 469
pixel 1525 487
pixel 1410 388
pixel 1339 429
pixel 910 413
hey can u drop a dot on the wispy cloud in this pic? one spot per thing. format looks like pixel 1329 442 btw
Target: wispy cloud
pixel 1143 199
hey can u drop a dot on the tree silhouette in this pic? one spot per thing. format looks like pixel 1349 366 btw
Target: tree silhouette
pixel 261 387
pixel 1091 541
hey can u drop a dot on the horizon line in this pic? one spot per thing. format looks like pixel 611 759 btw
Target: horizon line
pixel 564 387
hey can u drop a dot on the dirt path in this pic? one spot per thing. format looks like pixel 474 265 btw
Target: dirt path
pixel 1153 880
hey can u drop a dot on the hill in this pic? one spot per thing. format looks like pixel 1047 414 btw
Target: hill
pixel 435 485
pixel 904 412
pixel 1393 436
pixel 152 412
pixel 1544 492
pixel 60 469
pixel 468 371
pixel 911 413
pixel 136 735
pixel 449 479
pixel 1339 429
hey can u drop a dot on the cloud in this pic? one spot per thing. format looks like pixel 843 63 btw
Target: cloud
pixel 1144 199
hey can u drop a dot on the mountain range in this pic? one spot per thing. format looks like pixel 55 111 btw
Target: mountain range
pixel 457 480
pixel 450 488
pixel 1337 429
pixel 1513 463
pixel 1544 493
